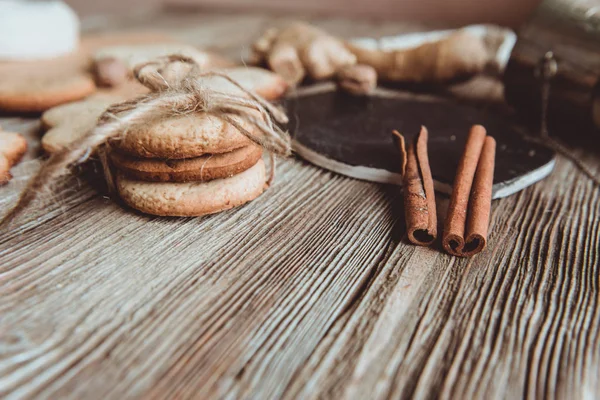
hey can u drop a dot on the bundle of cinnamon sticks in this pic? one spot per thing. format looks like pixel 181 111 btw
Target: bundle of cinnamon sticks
pixel 467 221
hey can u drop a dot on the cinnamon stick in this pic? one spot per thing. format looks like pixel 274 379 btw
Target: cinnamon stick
pixel 467 223
pixel 417 183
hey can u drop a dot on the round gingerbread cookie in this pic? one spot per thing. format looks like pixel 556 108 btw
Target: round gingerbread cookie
pixel 30 86
pixel 265 83
pixel 183 136
pixel 193 198
pixel 35 86
pixel 193 135
pixel 259 80
pixel 203 168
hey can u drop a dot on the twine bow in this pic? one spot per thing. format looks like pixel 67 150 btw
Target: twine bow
pixel 173 94
pixel 176 90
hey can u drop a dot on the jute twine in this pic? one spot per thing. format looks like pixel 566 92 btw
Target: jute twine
pixel 173 93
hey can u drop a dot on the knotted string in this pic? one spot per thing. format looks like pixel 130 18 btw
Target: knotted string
pixel 176 90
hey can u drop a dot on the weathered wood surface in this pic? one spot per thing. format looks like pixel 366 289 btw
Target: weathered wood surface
pixel 311 291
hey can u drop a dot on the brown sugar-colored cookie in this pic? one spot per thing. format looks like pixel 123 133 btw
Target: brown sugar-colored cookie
pixel 5 174
pixel 259 80
pixel 203 168
pixel 193 198
pixel 183 136
pixel 188 136
pixel 68 122
pixel 35 86
pixel 12 148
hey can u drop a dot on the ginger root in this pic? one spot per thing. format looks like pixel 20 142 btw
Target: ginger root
pixel 457 56
pixel 301 50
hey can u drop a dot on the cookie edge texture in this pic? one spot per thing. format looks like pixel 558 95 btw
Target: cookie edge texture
pixel 198 198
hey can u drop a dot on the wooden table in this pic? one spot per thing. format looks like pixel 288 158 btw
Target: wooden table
pixel 309 291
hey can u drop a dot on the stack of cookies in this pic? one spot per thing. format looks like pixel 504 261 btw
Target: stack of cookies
pixel 192 164
pixel 187 166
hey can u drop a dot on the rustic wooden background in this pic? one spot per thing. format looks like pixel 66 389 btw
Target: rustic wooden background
pixel 311 291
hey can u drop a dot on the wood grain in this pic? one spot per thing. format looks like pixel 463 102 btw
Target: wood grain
pixel 311 291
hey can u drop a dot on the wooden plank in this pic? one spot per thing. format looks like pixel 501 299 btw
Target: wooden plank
pixel 512 322
pixel 309 291
pixel 173 312
pixel 233 279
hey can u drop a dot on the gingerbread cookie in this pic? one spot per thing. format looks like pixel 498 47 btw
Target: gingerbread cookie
pixel 12 147
pixel 68 122
pixel 203 168
pixel 193 135
pixel 5 174
pixel 35 86
pixel 183 136
pixel 258 80
pixel 193 198
pixel 261 81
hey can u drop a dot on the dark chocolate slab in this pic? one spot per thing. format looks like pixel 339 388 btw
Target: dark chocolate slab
pixel 352 136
